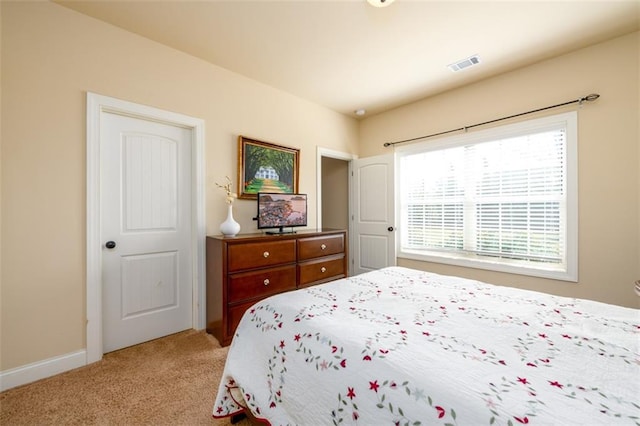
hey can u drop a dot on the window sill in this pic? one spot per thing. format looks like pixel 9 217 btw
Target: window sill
pixel 510 268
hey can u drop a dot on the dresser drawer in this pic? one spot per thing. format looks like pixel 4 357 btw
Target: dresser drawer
pixel 260 284
pixel 258 255
pixel 234 315
pixel 320 270
pixel 310 248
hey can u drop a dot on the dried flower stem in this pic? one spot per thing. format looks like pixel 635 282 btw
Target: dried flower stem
pixel 227 190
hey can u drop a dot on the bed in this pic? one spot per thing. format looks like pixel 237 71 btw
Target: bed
pixel 404 347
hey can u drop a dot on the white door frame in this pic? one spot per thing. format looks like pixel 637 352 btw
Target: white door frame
pixel 96 106
pixel 325 152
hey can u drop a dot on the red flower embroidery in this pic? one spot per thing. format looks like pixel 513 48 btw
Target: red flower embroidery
pixel 281 344
pixel 426 333
pixel 334 349
pixel 523 420
pixel 523 380
pixel 374 386
pixel 556 384
pixel 530 364
pixel 440 411
pixel 502 361
pixel 297 337
pixel 272 405
pixel 355 415
pixel 343 363
pixel 351 393
pixel 544 336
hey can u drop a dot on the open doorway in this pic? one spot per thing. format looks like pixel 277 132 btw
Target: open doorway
pixel 333 189
pixel 335 193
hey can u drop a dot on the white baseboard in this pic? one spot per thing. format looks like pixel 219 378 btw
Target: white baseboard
pixel 41 369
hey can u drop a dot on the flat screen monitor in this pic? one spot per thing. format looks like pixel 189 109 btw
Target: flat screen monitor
pixel 280 211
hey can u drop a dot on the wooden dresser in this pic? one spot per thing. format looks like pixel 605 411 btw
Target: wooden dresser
pixel 244 269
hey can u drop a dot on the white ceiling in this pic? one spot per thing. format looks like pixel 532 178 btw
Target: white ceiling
pixel 348 55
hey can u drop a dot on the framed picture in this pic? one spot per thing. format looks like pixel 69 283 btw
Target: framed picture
pixel 266 167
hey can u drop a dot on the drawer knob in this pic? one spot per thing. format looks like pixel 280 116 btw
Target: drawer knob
pixel 323 269
pixel 265 254
pixel 266 282
pixel 323 246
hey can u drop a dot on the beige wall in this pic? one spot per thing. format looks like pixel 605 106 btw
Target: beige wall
pixel 608 156
pixel 51 57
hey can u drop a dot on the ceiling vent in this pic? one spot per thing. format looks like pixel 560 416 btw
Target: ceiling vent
pixel 465 63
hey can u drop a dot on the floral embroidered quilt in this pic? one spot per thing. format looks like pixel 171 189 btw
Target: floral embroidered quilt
pixel 404 347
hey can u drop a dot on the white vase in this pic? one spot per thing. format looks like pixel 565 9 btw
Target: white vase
pixel 230 227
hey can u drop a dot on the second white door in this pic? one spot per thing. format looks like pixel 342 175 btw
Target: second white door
pixel 373 222
pixel 146 230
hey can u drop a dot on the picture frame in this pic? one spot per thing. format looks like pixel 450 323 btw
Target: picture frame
pixel 266 167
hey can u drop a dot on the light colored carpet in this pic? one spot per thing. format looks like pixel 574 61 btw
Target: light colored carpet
pixel 169 381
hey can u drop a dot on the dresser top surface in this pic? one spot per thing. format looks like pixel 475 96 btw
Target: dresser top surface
pixel 264 236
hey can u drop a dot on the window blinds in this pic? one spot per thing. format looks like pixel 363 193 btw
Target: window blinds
pixel 502 199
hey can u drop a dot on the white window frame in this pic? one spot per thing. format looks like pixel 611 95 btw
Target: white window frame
pixel 570 121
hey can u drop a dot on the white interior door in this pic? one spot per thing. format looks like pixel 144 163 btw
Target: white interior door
pixel 146 229
pixel 373 224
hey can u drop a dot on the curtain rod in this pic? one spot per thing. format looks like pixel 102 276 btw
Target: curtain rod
pixel 589 98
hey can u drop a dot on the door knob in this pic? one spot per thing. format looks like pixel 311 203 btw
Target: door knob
pixel 110 244
pixel 390 229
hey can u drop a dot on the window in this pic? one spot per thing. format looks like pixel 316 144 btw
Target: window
pixel 503 199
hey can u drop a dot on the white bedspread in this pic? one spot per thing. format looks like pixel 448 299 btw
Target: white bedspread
pixel 399 346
